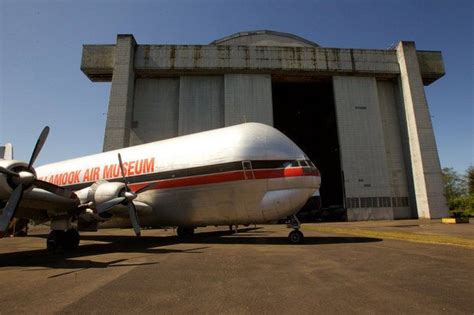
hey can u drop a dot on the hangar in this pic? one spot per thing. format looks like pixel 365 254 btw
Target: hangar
pixel 360 114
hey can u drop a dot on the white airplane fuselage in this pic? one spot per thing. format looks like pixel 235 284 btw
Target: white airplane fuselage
pixel 248 173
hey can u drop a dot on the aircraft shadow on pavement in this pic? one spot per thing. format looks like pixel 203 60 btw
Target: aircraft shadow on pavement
pixel 150 245
pixel 244 236
pixel 251 236
pixel 68 260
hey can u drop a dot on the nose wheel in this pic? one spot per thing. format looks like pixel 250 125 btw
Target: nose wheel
pixel 295 236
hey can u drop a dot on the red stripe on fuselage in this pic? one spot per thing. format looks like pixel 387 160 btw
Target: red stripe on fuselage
pixel 225 177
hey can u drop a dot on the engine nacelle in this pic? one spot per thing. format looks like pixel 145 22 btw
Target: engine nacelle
pixel 6 183
pixel 101 192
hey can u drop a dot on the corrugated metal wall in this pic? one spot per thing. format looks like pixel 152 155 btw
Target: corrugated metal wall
pixel 248 98
pixel 201 103
pixel 167 107
pixel 362 145
pixel 155 110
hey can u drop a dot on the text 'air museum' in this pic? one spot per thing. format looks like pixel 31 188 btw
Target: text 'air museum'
pixel 360 114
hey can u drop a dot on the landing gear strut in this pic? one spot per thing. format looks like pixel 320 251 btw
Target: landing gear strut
pixel 185 232
pixel 62 240
pixel 295 236
pixel 233 228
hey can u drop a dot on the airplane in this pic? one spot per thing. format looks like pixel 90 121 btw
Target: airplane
pixel 243 174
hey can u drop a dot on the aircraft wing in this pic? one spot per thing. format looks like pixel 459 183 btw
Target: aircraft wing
pixel 38 198
pixel 39 205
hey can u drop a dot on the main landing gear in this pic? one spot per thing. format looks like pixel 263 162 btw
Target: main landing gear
pixel 63 240
pixel 63 237
pixel 295 236
pixel 185 232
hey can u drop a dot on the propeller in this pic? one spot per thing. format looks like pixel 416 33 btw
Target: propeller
pixel 25 178
pixel 39 145
pixel 10 208
pixel 8 172
pixel 126 199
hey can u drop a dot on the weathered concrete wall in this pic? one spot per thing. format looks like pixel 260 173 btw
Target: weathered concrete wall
pixel 397 91
pixel 425 165
pixel 201 103
pixel 153 57
pixel 155 112
pixel 393 147
pixel 183 59
pixel 248 98
pixel 98 62
pixel 431 66
pixel 117 130
pixel 362 145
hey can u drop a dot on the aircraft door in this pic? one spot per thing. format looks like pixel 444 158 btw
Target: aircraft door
pixel 248 171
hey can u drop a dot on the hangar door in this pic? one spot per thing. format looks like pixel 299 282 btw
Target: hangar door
pixel 305 112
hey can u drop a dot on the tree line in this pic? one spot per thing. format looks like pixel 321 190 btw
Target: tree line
pixel 459 190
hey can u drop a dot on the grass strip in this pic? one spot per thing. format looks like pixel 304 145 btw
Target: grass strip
pixel 397 235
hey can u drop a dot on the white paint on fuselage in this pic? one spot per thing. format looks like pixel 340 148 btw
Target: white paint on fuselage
pixel 243 201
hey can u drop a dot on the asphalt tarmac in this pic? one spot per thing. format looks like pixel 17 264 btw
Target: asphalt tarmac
pixel 339 269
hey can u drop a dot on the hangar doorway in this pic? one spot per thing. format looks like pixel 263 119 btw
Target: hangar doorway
pixel 305 112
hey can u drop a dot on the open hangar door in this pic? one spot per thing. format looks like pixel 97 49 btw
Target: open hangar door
pixel 305 112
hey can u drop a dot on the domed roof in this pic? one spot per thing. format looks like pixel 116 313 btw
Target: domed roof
pixel 264 38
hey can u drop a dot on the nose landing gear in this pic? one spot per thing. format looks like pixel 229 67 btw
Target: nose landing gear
pixel 295 236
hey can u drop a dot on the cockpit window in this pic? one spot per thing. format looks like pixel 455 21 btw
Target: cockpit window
pixel 303 163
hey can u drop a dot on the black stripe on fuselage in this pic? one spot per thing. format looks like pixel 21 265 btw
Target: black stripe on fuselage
pixel 195 171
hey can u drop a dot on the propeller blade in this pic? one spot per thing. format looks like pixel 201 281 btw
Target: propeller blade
pixel 144 188
pixel 8 172
pixel 109 204
pixel 132 211
pixel 123 172
pixel 10 208
pixel 38 146
pixel 52 188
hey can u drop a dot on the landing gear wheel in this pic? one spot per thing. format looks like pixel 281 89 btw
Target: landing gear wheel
pixel 185 232
pixel 62 240
pixel 296 237
pixel 71 239
pixel 54 240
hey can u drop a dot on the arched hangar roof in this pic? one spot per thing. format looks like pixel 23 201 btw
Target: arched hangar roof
pixel 264 38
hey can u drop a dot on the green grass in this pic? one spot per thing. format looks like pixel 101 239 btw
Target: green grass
pixel 397 235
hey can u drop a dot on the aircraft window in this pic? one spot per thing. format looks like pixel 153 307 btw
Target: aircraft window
pixel 303 163
pixel 289 164
pixel 265 164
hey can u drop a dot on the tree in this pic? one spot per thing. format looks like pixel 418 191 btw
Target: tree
pixel 454 184
pixel 459 190
pixel 470 179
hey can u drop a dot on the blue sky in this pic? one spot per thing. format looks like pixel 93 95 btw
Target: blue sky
pixel 41 45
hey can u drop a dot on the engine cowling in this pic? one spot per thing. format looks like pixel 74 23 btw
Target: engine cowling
pixel 6 183
pixel 101 192
pixel 96 194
